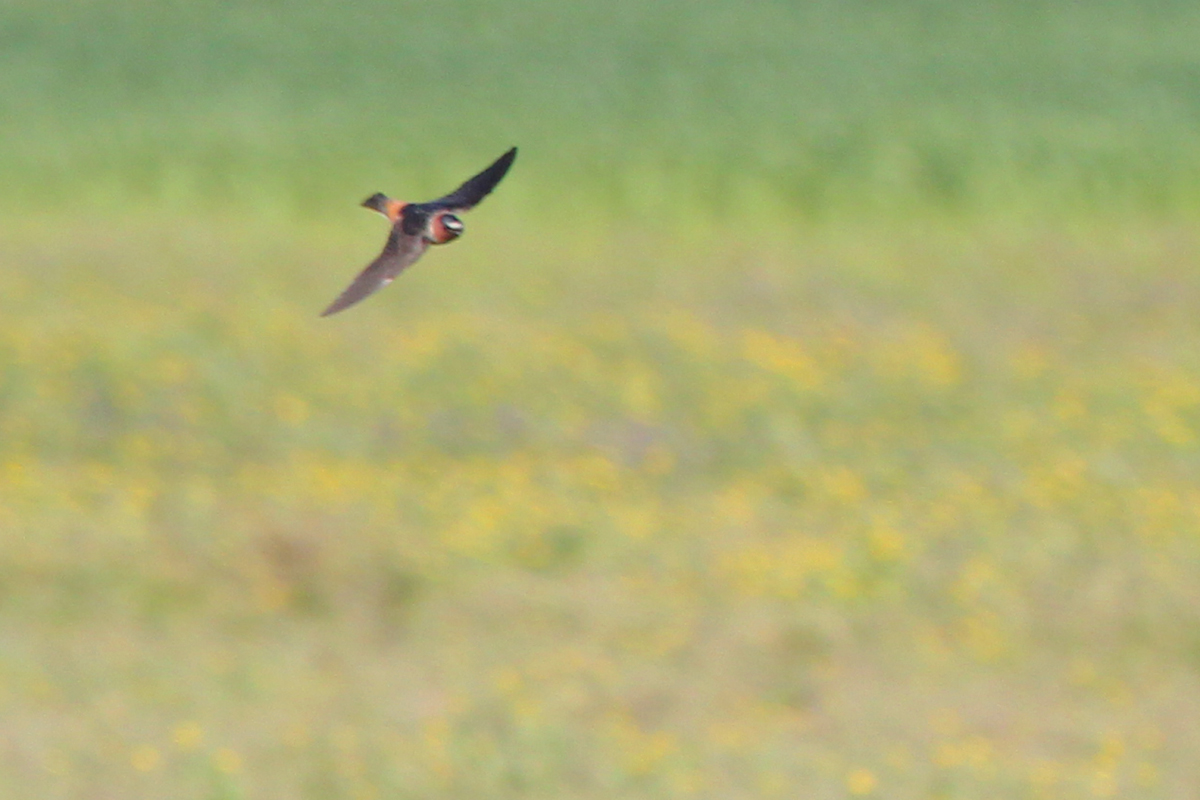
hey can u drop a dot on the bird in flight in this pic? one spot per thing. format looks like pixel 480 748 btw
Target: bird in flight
pixel 415 226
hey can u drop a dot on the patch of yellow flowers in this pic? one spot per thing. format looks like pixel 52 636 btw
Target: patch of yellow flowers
pixel 714 506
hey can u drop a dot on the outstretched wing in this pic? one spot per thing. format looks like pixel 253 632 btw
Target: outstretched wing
pixel 400 251
pixel 474 190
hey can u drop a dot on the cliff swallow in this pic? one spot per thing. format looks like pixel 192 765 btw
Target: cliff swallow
pixel 415 226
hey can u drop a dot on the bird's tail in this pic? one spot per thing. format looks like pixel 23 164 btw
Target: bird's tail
pixel 384 205
pixel 377 202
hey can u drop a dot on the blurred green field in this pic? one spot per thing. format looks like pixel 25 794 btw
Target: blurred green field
pixel 813 411
pixel 799 111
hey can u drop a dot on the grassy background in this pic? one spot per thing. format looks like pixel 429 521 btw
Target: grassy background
pixel 812 412
pixel 872 106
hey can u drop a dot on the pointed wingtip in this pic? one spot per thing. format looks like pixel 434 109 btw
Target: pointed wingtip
pixel 505 161
pixel 337 306
pixel 334 308
pixel 502 165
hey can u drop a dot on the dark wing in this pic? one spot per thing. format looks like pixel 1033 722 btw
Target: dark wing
pixel 400 251
pixel 470 193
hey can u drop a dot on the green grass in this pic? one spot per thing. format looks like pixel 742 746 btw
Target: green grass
pixel 790 110
pixel 813 412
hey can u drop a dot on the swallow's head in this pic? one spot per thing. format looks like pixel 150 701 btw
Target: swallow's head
pixel 452 224
pixel 445 227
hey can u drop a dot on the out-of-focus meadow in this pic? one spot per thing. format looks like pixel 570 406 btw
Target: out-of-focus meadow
pixel 812 412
